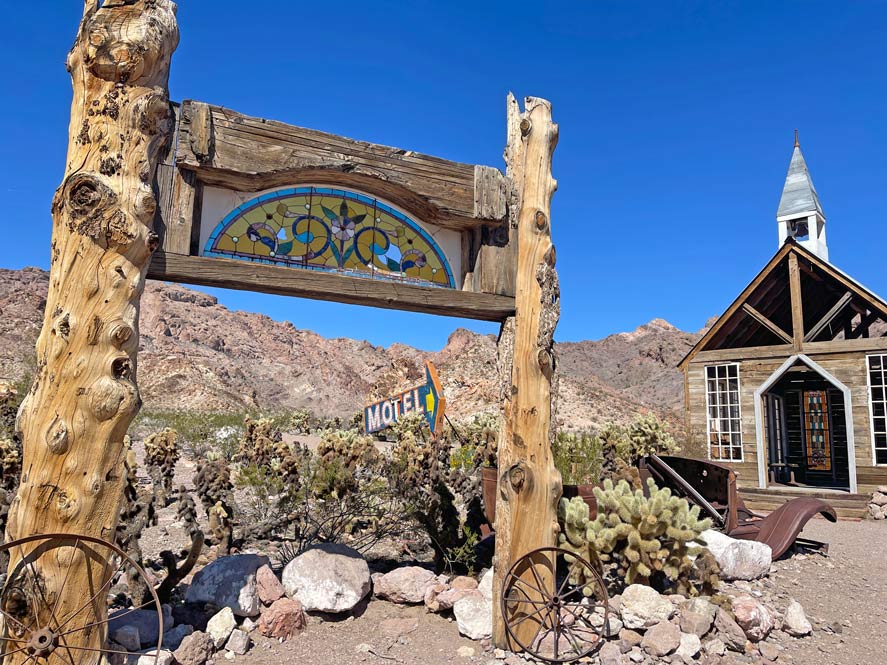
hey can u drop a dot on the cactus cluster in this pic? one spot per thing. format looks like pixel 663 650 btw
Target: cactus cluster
pixel 10 463
pixel 651 540
pixel 137 513
pixel 213 484
pixel 161 455
pixel 261 443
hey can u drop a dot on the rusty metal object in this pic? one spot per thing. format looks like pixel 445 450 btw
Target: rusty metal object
pixel 30 625
pixel 712 487
pixel 570 615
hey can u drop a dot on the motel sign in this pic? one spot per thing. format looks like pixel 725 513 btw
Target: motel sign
pixel 427 399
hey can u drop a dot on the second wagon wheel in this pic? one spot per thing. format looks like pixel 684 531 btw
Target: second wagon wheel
pixel 554 604
pixel 35 624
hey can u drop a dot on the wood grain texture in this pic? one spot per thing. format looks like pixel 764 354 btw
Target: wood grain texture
pixel 529 483
pixel 247 276
pixel 236 151
pixel 84 395
pixel 767 323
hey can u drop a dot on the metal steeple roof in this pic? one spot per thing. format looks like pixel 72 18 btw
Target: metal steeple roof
pixel 798 194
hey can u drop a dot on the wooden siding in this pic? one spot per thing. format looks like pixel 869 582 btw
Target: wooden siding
pixel 847 367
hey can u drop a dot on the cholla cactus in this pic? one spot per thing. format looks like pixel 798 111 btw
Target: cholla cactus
pixel 646 538
pixel 136 514
pixel 342 456
pixel 261 442
pixel 647 435
pixel 300 421
pixel 213 484
pixel 186 510
pixel 10 464
pixel 161 455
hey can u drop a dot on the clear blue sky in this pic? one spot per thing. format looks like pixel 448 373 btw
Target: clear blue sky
pixel 675 118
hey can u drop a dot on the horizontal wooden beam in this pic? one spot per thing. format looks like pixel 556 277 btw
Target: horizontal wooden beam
pixel 828 317
pixel 837 346
pixel 280 280
pixel 767 323
pixel 236 151
pixel 746 353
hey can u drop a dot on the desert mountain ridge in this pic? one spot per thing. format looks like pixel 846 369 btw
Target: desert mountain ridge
pixel 197 354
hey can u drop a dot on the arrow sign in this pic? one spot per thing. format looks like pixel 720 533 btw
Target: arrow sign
pixel 427 399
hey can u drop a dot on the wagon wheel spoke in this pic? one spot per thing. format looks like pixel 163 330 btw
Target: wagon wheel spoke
pixel 35 582
pixel 65 579
pixel 541 588
pixel 529 616
pixel 102 650
pixel 12 618
pixel 525 583
pixel 108 618
pixel 89 602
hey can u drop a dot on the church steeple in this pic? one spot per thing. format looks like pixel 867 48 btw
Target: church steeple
pixel 800 214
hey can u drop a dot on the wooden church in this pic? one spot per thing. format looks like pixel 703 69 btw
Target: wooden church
pixel 789 386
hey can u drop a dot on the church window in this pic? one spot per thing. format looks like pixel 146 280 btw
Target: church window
pixel 724 418
pixel 877 371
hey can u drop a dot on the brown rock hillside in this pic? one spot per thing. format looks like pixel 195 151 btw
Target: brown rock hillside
pixel 197 354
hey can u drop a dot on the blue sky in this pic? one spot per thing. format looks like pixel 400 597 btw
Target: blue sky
pixel 675 118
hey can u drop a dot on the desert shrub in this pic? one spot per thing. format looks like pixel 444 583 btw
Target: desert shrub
pixel 442 497
pixel 578 456
pixel 198 432
pixel 640 540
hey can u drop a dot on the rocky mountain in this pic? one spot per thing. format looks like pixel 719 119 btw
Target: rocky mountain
pixel 197 354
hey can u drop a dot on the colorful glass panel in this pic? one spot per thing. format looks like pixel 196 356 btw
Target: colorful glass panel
pixel 819 454
pixel 334 230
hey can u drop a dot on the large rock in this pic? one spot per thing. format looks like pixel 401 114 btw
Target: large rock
pixel 405 585
pixel 643 606
pixel 283 619
pixel 795 622
pixel 229 582
pixel 144 621
pixel 474 616
pixel 127 637
pixel 220 626
pixel 729 631
pixel 173 638
pixel 689 646
pixel 163 657
pixel 268 586
pixel 610 654
pixel 485 585
pixel 195 649
pixel 328 578
pixel 755 618
pixel 738 559
pixel 695 623
pixel 662 639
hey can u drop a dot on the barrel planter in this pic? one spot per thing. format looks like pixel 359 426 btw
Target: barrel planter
pixel 490 478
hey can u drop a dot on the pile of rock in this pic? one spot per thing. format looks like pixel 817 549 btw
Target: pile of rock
pixel 470 600
pixel 878 503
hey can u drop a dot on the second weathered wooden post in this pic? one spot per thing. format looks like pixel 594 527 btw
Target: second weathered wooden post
pixel 529 484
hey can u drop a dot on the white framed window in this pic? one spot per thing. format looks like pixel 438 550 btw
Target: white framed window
pixel 723 413
pixel 877 382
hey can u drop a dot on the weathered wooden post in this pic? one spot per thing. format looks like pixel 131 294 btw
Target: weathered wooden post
pixel 529 484
pixel 84 394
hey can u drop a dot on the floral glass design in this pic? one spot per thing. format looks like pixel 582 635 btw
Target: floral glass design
pixel 333 230
pixel 816 425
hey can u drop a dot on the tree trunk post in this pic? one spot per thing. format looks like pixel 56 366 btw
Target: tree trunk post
pixel 84 394
pixel 529 484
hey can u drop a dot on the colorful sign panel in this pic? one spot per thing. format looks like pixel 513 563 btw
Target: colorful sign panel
pixel 427 399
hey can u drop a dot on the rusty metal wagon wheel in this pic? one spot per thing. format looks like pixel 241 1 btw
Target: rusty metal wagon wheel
pixel 554 605
pixel 33 626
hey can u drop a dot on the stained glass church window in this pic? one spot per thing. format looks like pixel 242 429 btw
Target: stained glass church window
pixel 332 230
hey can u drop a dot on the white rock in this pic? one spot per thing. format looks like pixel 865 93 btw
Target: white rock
pixel 229 582
pixel 738 559
pixel 879 499
pixel 795 622
pixel 219 627
pixel 328 578
pixel 690 646
pixel 229 655
pixel 643 606
pixel 485 586
pixel 715 647
pixel 474 616
pixel 164 657
pixel 465 652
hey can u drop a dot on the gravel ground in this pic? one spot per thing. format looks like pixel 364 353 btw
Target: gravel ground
pixel 844 594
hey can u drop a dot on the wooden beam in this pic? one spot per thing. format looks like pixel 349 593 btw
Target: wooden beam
pixel 767 323
pixel 828 317
pixel 529 483
pixel 280 280
pixel 83 398
pixel 236 151
pixel 864 323
pixel 794 276
pixel 746 353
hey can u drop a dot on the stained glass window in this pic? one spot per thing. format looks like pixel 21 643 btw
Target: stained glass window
pixel 724 417
pixel 816 430
pixel 333 230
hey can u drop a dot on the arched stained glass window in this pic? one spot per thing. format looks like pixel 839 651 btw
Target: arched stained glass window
pixel 334 230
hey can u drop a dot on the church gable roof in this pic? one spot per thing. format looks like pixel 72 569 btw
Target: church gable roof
pixel 762 314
